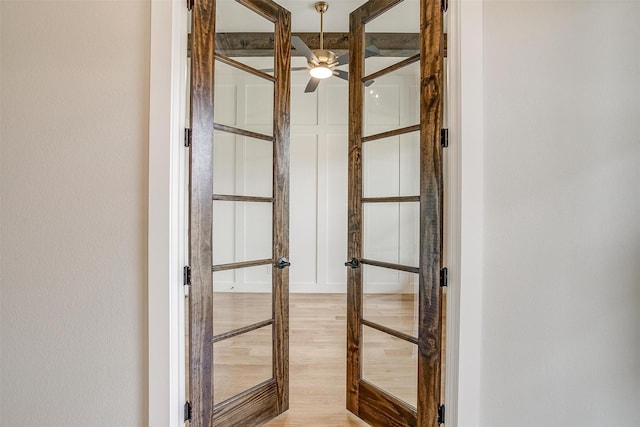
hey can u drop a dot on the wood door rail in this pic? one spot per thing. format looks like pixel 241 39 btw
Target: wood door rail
pixel 390 266
pixel 243 264
pixel 264 394
pixel 397 199
pixel 241 331
pixel 391 68
pixel 242 132
pixel 374 398
pixel 390 331
pixel 233 198
pixel 390 133
pixel 244 67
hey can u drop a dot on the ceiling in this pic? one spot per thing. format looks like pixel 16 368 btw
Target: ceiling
pixel 232 17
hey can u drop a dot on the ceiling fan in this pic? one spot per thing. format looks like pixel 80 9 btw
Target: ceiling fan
pixel 321 62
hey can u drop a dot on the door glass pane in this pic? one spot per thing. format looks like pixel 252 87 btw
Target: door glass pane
pixel 403 22
pixel 243 35
pixel 391 166
pixel 393 100
pixel 391 298
pixel 242 100
pixel 390 364
pixel 241 298
pixel 241 362
pixel 242 166
pixel 392 232
pixel 381 168
pixel 241 231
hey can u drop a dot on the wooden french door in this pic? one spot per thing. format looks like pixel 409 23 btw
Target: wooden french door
pixel 394 327
pixel 239 216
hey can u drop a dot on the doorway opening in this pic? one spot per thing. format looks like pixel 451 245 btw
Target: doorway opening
pixel 316 221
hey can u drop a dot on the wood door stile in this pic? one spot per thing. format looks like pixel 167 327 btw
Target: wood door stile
pixel 200 217
pixel 429 347
pixel 270 398
pixel 354 233
pixel 281 150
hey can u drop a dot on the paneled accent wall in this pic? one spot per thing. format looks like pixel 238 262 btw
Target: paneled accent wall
pixel 318 182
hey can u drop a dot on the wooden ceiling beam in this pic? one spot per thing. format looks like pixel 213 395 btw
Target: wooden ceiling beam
pixel 261 44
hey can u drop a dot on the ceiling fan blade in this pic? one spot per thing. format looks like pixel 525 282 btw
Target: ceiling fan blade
pixel 301 47
pixel 312 85
pixel 369 51
pixel 341 74
pixel 368 83
pixel 342 59
pixel 299 68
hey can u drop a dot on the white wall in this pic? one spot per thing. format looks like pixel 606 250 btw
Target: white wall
pixel 319 151
pixel 73 192
pixel 561 300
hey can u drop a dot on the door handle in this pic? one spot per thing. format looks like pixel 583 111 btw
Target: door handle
pixel 354 263
pixel 282 263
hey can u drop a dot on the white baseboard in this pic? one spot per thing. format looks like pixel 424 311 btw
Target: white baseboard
pixel 313 288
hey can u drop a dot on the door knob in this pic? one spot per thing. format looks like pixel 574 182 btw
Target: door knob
pixel 354 263
pixel 282 263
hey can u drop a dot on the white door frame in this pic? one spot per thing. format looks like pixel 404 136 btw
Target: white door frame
pixel 464 212
pixel 167 231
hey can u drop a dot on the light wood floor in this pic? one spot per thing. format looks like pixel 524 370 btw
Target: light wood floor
pixel 317 363
pixel 317 353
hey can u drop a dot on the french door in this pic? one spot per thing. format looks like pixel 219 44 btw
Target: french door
pixel 239 216
pixel 394 309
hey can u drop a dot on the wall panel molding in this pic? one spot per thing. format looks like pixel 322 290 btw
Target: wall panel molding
pixel 319 140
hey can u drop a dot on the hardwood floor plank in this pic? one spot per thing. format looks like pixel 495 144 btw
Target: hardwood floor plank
pixel 317 363
pixel 317 354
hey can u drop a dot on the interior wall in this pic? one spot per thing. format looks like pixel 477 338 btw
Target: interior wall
pixel 73 192
pixel 561 286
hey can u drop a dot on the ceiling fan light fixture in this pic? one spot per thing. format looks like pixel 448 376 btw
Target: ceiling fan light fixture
pixel 321 72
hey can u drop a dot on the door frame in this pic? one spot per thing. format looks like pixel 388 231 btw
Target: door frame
pixel 167 220
pixel 165 367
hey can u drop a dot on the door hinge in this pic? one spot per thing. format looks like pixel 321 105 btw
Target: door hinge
pixel 187 137
pixel 186 276
pixel 187 411
pixel 441 414
pixel 444 137
pixel 444 277
pixel 190 5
